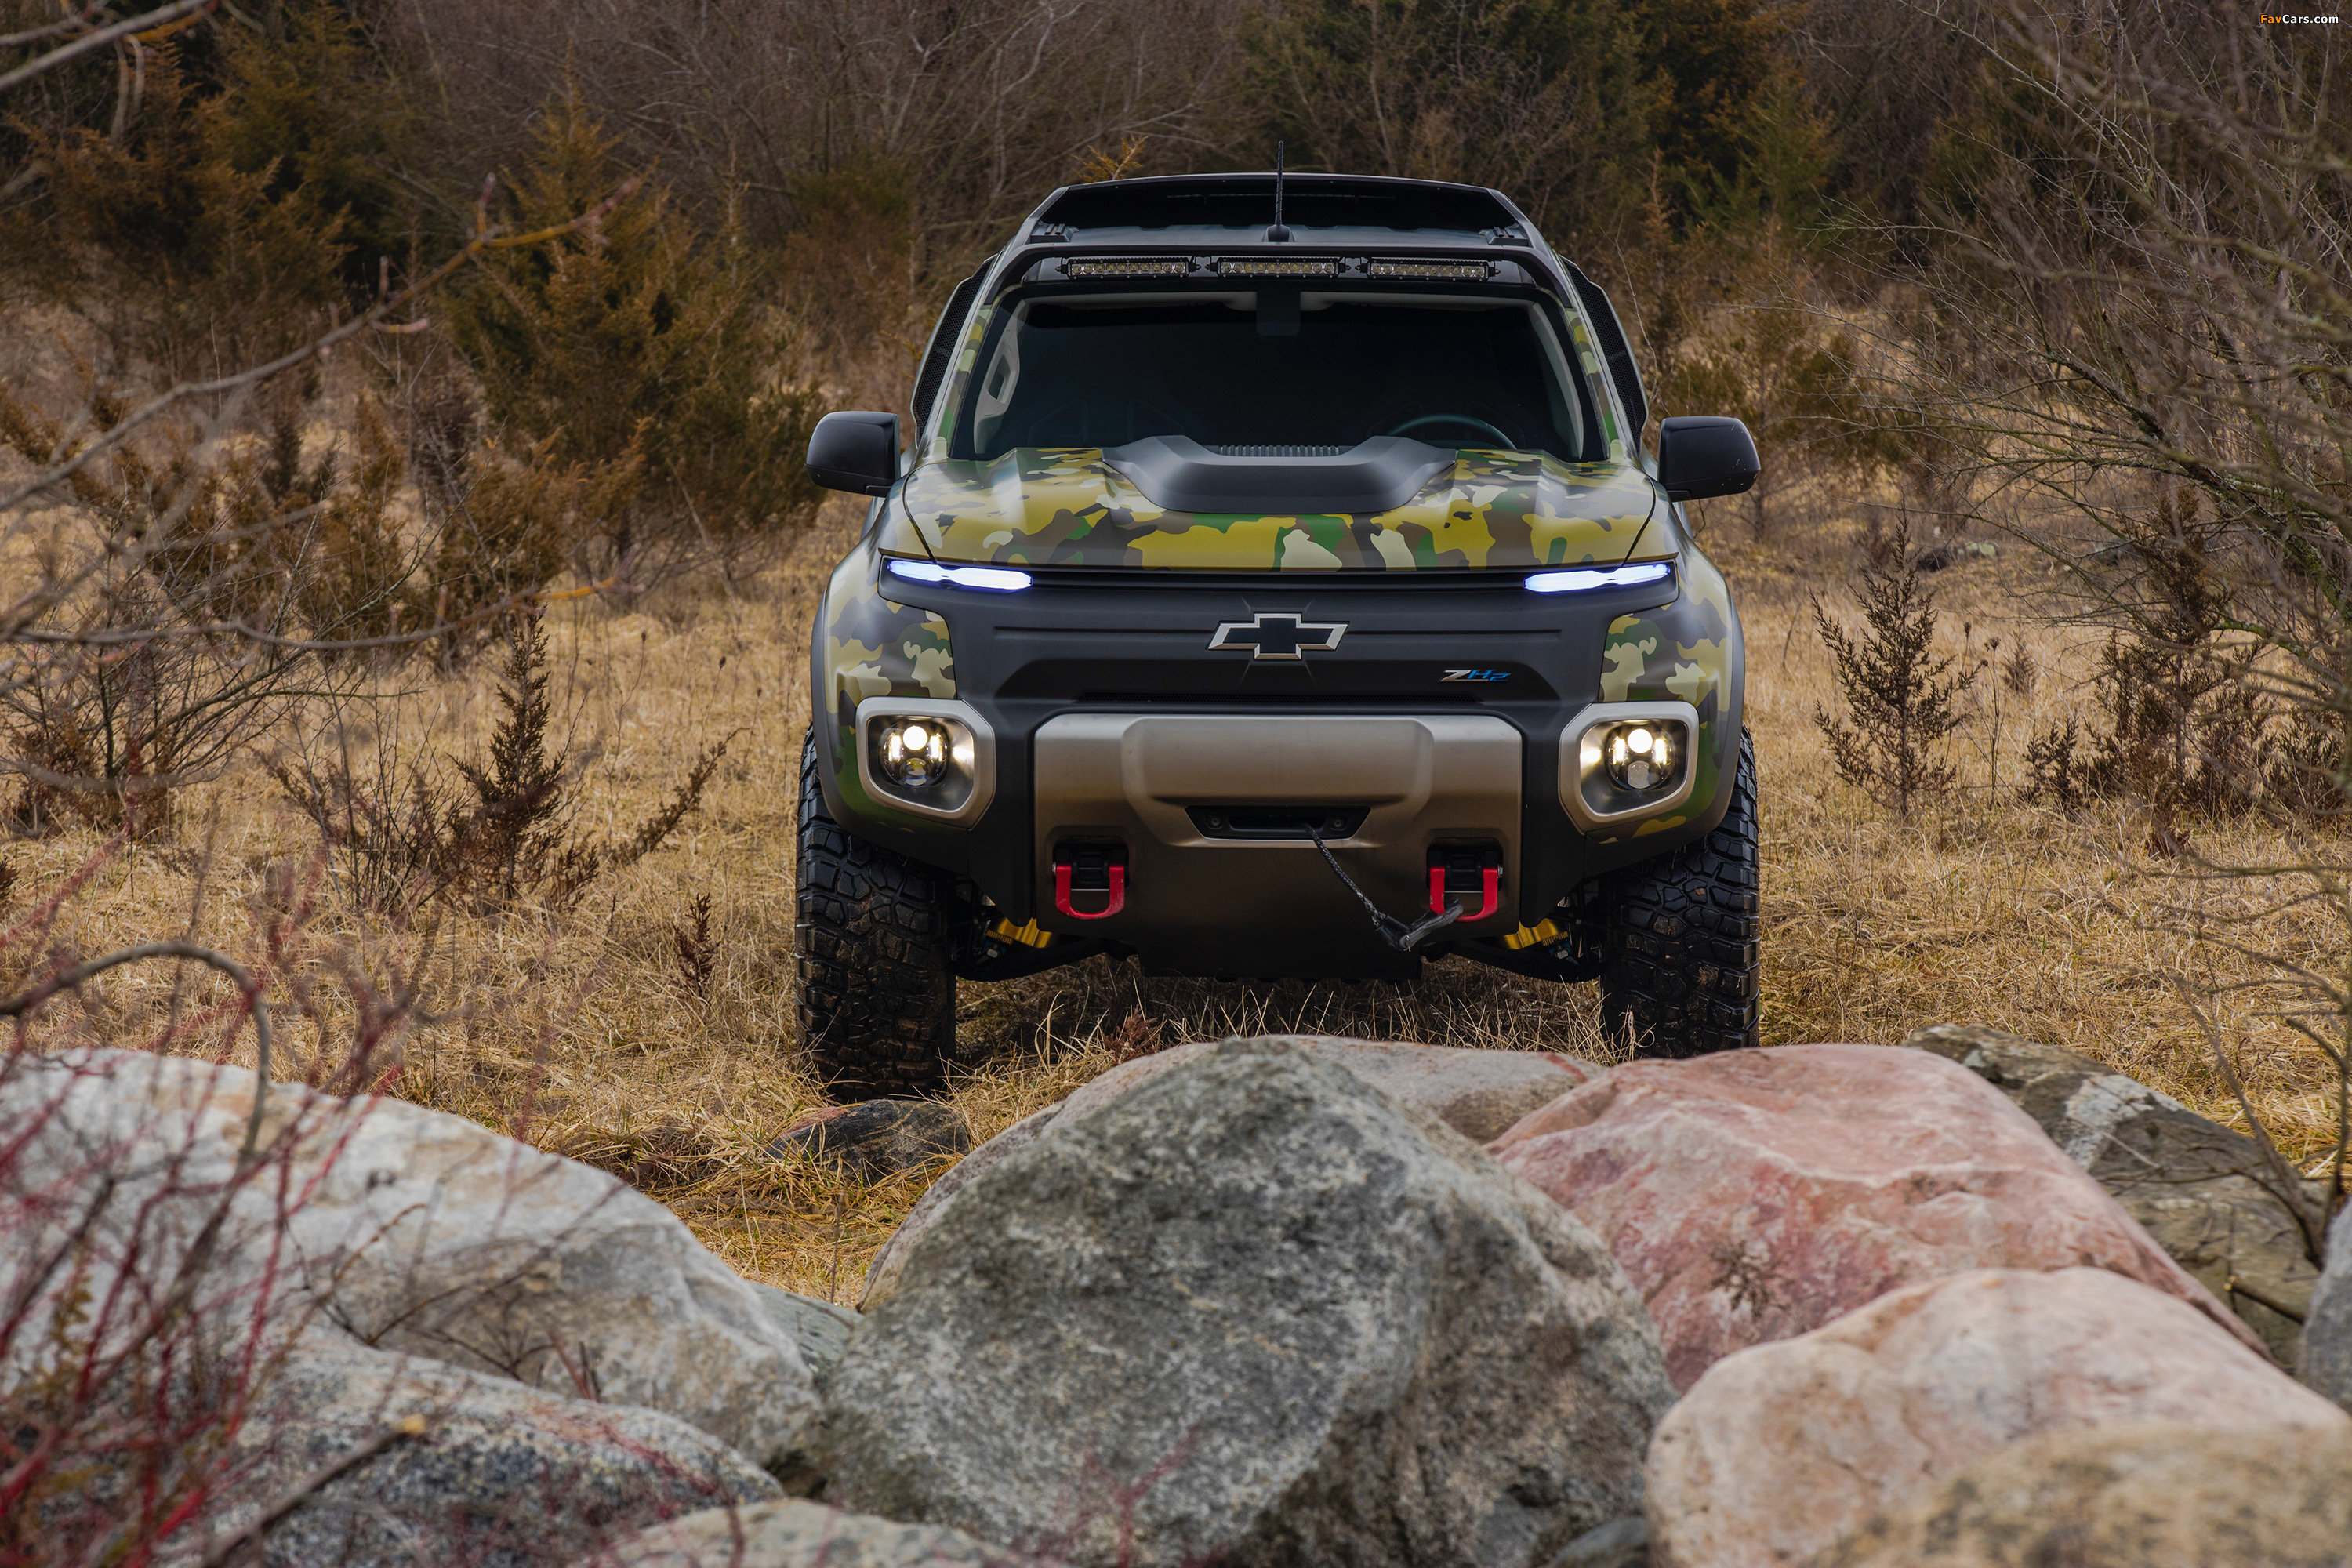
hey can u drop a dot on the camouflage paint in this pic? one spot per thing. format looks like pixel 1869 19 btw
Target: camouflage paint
pixel 1067 506
pixel 1687 651
pixel 872 647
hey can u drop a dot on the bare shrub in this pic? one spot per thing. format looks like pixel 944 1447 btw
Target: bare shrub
pixel 170 632
pixel 1900 694
pixel 698 949
pixel 2145 294
pixel 504 834
pixel 2053 774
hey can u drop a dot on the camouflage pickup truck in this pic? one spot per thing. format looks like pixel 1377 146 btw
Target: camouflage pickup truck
pixel 1270 582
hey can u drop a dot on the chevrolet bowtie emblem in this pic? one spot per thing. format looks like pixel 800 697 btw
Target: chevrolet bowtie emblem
pixel 1271 635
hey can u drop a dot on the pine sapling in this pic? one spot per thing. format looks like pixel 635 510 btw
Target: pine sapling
pixel 1901 696
pixel 517 822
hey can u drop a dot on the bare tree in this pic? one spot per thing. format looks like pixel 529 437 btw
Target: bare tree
pixel 2142 313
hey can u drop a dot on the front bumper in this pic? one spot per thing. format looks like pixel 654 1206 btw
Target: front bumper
pixel 1440 713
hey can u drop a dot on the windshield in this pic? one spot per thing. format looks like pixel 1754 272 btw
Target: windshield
pixel 1277 368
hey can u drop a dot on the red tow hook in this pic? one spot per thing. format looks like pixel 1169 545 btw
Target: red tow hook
pixel 1118 896
pixel 1491 880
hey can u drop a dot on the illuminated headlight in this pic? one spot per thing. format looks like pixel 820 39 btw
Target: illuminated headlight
pixel 1626 762
pixel 915 753
pixel 1585 579
pixel 930 755
pixel 1641 756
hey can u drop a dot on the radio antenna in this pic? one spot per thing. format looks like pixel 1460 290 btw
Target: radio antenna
pixel 1277 233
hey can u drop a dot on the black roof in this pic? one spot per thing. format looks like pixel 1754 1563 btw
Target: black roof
pixel 1246 201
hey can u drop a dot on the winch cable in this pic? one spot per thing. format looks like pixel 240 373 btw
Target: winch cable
pixel 1395 931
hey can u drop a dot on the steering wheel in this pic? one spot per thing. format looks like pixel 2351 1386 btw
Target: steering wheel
pixel 1410 426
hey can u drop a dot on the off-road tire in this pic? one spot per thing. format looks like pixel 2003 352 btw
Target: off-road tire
pixel 872 938
pixel 1680 960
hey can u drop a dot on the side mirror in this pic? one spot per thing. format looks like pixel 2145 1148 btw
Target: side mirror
pixel 1699 456
pixel 855 451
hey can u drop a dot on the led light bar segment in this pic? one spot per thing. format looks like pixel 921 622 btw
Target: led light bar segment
pixel 995 579
pixel 1430 272
pixel 1585 579
pixel 1127 267
pixel 1277 266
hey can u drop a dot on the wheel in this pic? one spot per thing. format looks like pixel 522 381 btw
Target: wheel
pixel 1681 956
pixel 873 935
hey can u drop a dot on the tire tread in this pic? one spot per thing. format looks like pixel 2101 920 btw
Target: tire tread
pixel 1681 956
pixel 877 997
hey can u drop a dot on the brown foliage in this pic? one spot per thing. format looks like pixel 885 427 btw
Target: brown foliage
pixel 506 836
pixel 1900 694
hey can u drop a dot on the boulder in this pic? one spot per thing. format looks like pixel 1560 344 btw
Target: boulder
pixel 1253 1308
pixel 1477 1093
pixel 410 1230
pixel 500 1475
pixel 882 1274
pixel 2125 1497
pixel 878 1138
pixel 796 1534
pixel 1783 1450
pixel 2326 1358
pixel 1754 1195
pixel 820 1329
pixel 1619 1543
pixel 2204 1193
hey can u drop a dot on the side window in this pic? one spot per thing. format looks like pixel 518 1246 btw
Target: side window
pixel 1615 352
pixel 999 380
pixel 942 348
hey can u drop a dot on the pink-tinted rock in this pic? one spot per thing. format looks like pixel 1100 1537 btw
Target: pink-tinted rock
pixel 1755 1194
pixel 1781 1450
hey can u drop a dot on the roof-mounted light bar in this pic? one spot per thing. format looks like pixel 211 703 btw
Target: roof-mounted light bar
pixel 1127 267
pixel 1430 272
pixel 1399 269
pixel 1586 579
pixel 1278 267
pixel 994 579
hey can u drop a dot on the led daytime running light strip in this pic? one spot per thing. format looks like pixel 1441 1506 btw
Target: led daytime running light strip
pixel 996 579
pixel 1589 578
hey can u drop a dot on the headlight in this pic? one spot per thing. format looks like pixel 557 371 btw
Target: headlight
pixel 995 579
pixel 1623 762
pixel 931 755
pixel 1585 579
pixel 1641 756
pixel 914 750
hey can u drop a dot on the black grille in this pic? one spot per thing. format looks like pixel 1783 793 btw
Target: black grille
pixel 1279 451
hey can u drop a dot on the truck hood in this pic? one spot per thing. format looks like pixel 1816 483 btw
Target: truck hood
pixel 1068 507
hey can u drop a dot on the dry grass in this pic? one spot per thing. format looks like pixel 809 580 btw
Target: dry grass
pixel 578 1031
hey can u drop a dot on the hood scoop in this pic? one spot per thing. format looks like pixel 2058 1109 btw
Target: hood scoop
pixel 1179 474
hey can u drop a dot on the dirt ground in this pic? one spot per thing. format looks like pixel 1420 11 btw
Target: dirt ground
pixel 583 1031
